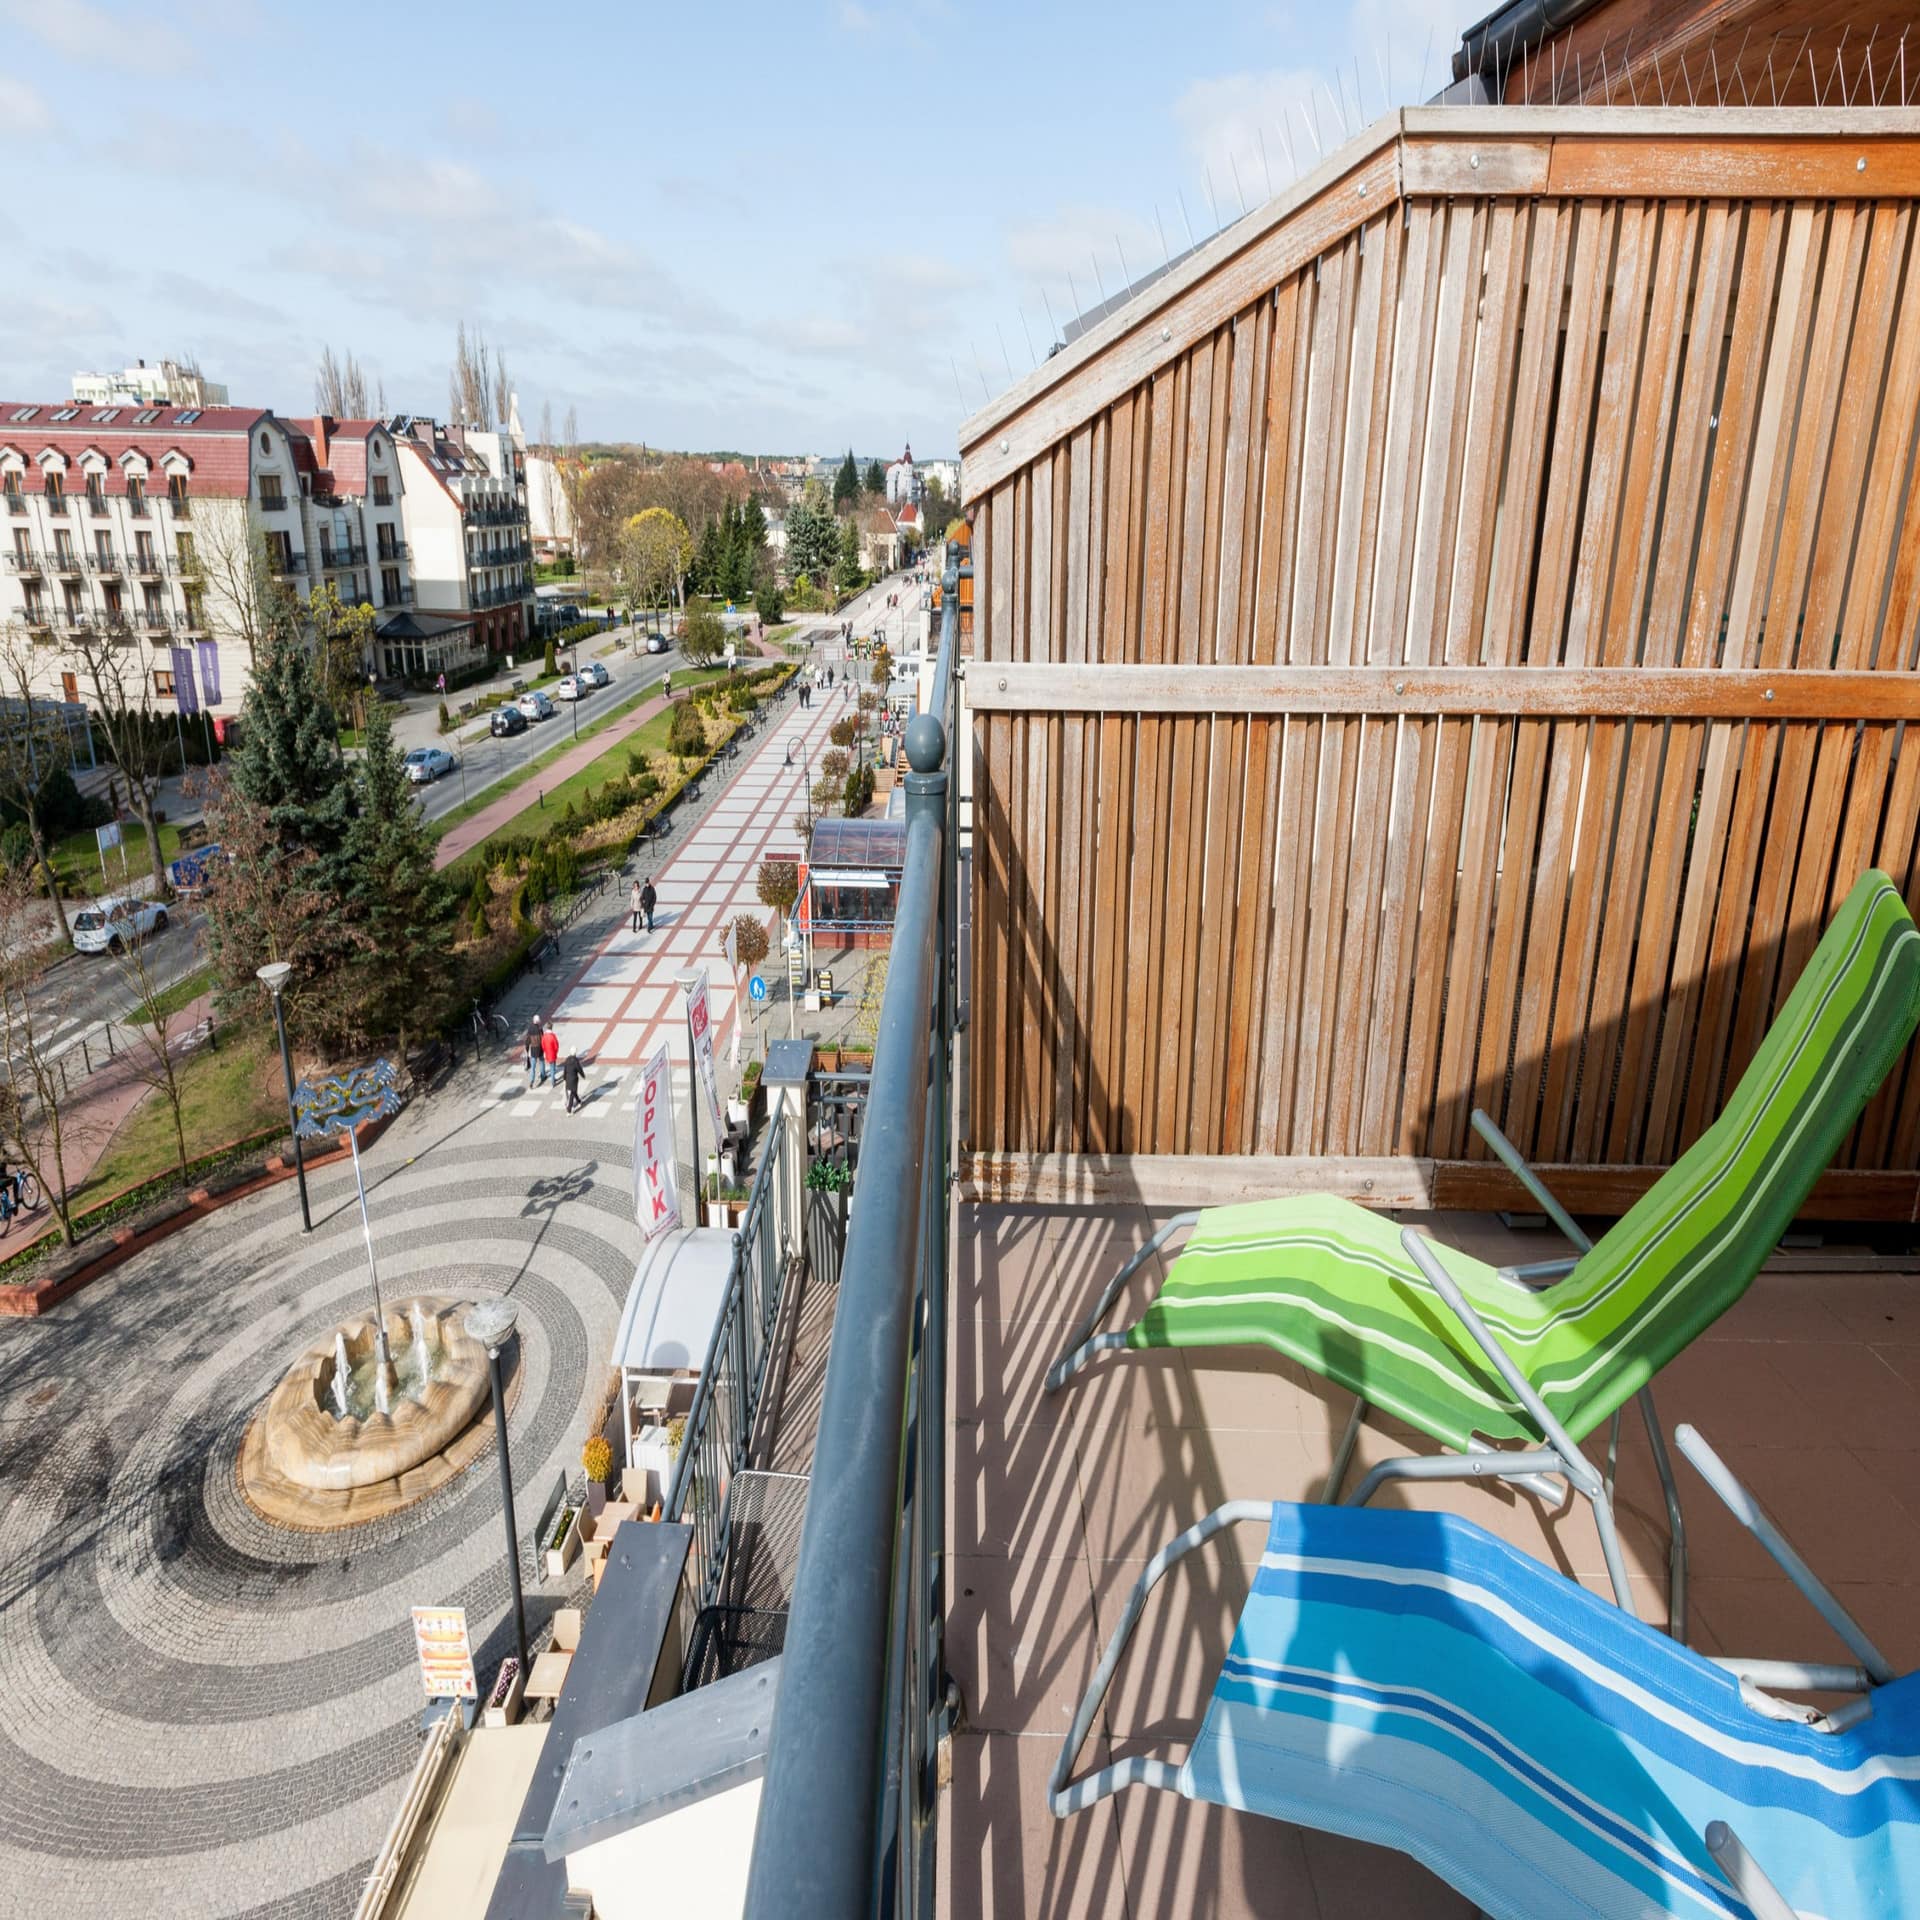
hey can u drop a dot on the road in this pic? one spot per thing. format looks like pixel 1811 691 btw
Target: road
pixel 73 999
pixel 488 761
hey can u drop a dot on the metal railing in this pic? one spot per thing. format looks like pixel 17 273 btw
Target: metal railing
pixel 18 562
pixel 863 1677
pixel 98 562
pixel 720 1423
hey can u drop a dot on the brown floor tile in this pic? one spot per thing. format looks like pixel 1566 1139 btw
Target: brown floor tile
pixel 1353 1881
pixel 1047 1266
pixel 1780 1306
pixel 1020 1641
pixel 1187 1860
pixel 1846 1392
pixel 1883 1308
pixel 1252 1388
pixel 1003 1854
pixel 1013 1489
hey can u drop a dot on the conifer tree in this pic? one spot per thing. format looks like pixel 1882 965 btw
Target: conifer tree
pixel 876 477
pixel 846 483
pixel 288 759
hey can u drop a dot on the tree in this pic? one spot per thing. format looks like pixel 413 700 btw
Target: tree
pixel 846 483
pixel 935 509
pixel 123 703
pixel 750 944
pixel 656 553
pixel 470 386
pixel 702 638
pixel 847 571
pixel 398 904
pixel 232 576
pixel 882 674
pixel 288 759
pixel 770 604
pixel 686 732
pixel 876 479
pixel 339 387
pixel 778 885
pixel 33 1089
pixel 344 635
pixel 154 1024
pixel 32 743
pixel 813 537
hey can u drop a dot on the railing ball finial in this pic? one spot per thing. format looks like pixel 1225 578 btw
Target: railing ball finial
pixel 926 743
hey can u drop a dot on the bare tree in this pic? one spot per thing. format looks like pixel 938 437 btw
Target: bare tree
pixel 502 391
pixel 546 429
pixel 231 576
pixel 155 1028
pixel 470 388
pixel 340 387
pixel 33 741
pixel 138 734
pixel 32 1088
pixel 380 399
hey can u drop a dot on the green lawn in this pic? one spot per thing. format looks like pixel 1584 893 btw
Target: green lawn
pixel 467 809
pixel 182 993
pixel 76 859
pixel 225 1095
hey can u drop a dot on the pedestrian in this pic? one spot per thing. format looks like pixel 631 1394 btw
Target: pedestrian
pixel 648 900
pixel 633 900
pixel 571 1073
pixel 549 1056
pixel 666 685
pixel 533 1053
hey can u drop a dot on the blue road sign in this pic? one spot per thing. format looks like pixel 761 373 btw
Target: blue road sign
pixel 756 988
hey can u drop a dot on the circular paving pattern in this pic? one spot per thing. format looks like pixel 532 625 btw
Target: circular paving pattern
pixel 202 1712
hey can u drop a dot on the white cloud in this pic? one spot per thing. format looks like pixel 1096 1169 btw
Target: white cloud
pixel 859 19
pixel 78 30
pixel 1251 133
pixel 21 109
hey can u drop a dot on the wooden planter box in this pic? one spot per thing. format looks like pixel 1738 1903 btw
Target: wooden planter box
pixel 560 1558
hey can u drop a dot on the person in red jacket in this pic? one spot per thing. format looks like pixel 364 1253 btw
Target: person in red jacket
pixel 550 1054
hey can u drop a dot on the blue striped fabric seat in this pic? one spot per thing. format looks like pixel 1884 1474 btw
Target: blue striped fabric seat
pixel 1407 1679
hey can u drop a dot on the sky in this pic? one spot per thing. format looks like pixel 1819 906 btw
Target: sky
pixel 772 227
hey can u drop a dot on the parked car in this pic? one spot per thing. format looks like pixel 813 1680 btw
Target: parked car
pixel 596 672
pixel 425 764
pixel 571 687
pixel 110 925
pixel 535 705
pixel 507 721
pixel 657 643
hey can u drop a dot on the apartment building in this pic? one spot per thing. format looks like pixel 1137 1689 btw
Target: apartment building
pixel 468 535
pixel 164 384
pixel 148 527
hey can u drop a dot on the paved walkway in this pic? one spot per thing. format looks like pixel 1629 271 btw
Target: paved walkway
pixel 622 1003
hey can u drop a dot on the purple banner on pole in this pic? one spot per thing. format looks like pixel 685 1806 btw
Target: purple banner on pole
pixel 185 695
pixel 210 670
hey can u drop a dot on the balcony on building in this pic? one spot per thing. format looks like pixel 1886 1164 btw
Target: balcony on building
pixel 105 563
pixel 30 561
pixel 67 560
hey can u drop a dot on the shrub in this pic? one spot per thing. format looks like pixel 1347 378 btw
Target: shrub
pixel 834 763
pixel 770 604
pixel 844 731
pixel 596 1459
pixel 446 719
pixel 548 664
pixel 859 793
pixel 686 736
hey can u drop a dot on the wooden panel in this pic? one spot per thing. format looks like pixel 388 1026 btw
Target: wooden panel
pixel 1776 169
pixel 1467 670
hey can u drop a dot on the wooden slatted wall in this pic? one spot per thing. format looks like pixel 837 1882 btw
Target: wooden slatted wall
pixel 1533 431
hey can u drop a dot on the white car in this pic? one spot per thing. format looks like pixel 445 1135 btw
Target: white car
pixel 595 674
pixel 570 687
pixel 658 643
pixel 535 704
pixel 424 764
pixel 109 925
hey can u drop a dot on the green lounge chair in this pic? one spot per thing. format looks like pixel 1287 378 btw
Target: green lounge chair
pixel 1332 1285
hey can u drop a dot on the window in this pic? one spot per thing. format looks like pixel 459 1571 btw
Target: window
pixel 281 547
pixel 103 549
pixel 382 491
pixel 69 689
pixel 183 551
pixel 136 496
pixel 163 683
pixel 106 416
pixel 71 594
pixel 146 416
pixel 196 610
pixel 152 608
pixel 64 413
pixel 143 552
pixel 384 542
pixel 16 500
pixel 116 605
pixel 272 499
pixel 389 586
pixel 21 550
pixel 266 443
pixel 25 413
pixel 56 493
pixel 177 495
pixel 63 553
pixel 36 611
pixel 188 418
pixel 96 495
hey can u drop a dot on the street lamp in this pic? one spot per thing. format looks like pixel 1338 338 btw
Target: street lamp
pixel 273 976
pixel 491 1323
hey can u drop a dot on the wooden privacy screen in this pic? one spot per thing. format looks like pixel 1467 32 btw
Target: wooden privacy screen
pixel 1394 475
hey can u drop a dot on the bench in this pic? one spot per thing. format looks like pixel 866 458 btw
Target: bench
pixel 542 950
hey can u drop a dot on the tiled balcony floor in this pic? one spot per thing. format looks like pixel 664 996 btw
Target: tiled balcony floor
pixel 1810 1389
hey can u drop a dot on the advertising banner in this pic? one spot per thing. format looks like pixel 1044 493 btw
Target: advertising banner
pixel 700 1027
pixel 446 1660
pixel 656 1195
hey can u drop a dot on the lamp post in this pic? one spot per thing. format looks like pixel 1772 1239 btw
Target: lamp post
pixel 273 976
pixel 491 1323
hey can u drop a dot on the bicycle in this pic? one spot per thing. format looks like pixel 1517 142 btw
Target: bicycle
pixel 19 1194
pixel 486 1024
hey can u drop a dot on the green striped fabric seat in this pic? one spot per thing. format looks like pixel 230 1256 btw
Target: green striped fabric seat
pixel 1328 1283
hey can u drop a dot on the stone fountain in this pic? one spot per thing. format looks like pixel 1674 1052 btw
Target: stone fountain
pixel 359 1426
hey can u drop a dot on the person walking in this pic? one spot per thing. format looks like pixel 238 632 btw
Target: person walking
pixel 571 1074
pixel 549 1056
pixel 633 901
pixel 648 901
pixel 533 1053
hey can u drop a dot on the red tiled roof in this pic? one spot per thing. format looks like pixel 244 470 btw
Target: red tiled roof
pixel 213 438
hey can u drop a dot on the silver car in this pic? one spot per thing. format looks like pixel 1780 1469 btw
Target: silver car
pixel 109 926
pixel 428 763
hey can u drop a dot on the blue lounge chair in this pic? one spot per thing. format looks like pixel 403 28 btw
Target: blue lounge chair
pixel 1409 1680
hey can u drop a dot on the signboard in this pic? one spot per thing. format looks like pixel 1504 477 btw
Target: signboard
pixel 446 1660
pixel 656 1196
pixel 341 1102
pixel 756 987
pixel 796 969
pixel 108 836
pixel 823 982
pixel 700 1031
pixel 189 873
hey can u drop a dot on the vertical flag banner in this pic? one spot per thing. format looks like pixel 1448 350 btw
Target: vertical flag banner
pixel 210 670
pixel 656 1196
pixel 739 1012
pixel 185 694
pixel 700 1022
